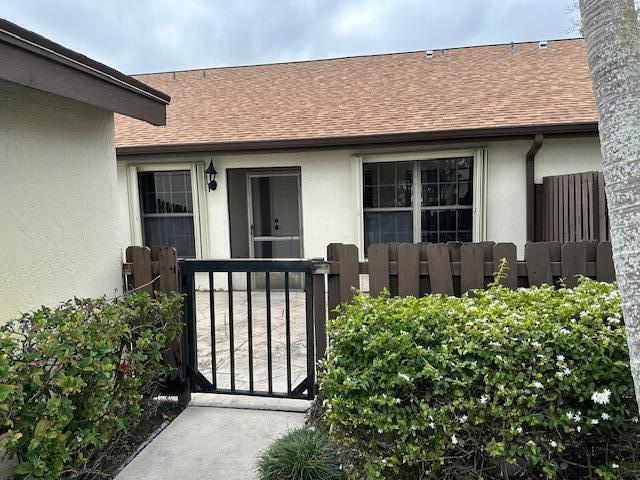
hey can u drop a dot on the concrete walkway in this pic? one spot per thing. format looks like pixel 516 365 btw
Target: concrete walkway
pixel 216 443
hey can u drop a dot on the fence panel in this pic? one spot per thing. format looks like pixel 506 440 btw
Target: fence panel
pixel 455 268
pixel 571 208
pixel 152 270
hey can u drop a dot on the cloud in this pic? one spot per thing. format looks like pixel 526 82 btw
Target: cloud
pixel 159 35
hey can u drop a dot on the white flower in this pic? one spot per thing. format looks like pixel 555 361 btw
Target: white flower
pixel 560 358
pixel 565 331
pixel 454 439
pixel 615 465
pixel 535 344
pixel 519 429
pixel 494 344
pixel 594 421
pixel 579 428
pixel 602 397
pixel 380 430
pixel 564 372
pixel 553 444
pixel 605 416
pixel 538 385
pixel 570 415
pixel 500 357
pixel 398 400
pixel 474 363
pixel 432 425
pixel 404 376
pixel 634 419
pixel 483 399
pixel 463 419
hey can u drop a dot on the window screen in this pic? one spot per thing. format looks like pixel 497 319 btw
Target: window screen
pixel 167 210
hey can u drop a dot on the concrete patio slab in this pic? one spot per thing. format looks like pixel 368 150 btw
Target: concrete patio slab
pixel 210 443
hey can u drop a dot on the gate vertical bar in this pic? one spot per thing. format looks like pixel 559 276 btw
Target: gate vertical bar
pixel 250 330
pixel 232 353
pixel 212 315
pixel 311 356
pixel 269 358
pixel 287 320
pixel 188 288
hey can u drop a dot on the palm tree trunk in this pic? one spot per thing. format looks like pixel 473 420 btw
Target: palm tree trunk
pixel 613 48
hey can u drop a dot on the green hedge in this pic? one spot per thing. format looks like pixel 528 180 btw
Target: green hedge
pixel 532 383
pixel 73 377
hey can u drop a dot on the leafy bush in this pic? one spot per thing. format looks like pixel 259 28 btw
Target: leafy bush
pixel 532 383
pixel 302 454
pixel 73 377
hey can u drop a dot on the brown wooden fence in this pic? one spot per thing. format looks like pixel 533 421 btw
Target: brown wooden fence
pixel 455 268
pixel 405 269
pixel 150 270
pixel 571 208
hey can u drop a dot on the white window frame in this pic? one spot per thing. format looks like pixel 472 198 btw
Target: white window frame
pixel 198 194
pixel 480 176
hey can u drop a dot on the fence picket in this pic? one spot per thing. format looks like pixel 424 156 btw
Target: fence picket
pixel 574 262
pixel 538 264
pixel 141 273
pixel 408 270
pixel 341 285
pixel 604 263
pixel 471 266
pixel 378 268
pixel 440 268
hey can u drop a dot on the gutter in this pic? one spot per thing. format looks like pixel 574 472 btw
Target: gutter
pixel 362 141
pixel 530 182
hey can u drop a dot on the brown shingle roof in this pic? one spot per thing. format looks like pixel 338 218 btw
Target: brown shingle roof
pixel 466 88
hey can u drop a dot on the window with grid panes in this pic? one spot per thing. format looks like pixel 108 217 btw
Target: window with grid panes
pixel 442 204
pixel 167 210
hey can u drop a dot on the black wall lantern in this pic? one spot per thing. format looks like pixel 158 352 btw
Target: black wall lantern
pixel 211 175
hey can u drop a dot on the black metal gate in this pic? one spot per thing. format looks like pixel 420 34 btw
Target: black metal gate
pixel 235 350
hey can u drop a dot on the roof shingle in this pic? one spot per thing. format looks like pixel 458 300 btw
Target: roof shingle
pixel 481 87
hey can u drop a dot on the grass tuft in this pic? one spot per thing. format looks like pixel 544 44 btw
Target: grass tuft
pixel 301 454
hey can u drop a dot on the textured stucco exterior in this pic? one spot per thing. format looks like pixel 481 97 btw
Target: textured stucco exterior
pixel 331 190
pixel 60 232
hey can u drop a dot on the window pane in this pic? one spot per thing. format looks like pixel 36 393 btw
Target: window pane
pixel 163 195
pixel 447 220
pixel 429 171
pixel 447 170
pixel 403 195
pixel 370 173
pixel 387 172
pixel 165 192
pixel 465 219
pixel 370 197
pixel 387 227
pixel 174 231
pixel 430 195
pixel 447 194
pixel 387 196
pixel 464 168
pixel 464 193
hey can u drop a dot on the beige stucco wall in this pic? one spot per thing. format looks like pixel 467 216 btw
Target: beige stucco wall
pixel 59 229
pixel 331 189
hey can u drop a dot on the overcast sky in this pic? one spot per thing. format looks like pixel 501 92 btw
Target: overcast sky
pixel 163 35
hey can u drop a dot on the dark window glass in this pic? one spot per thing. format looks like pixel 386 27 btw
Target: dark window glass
pixel 447 199
pixel 167 210
pixel 388 227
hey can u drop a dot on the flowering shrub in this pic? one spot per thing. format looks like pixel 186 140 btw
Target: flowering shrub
pixel 73 377
pixel 532 383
